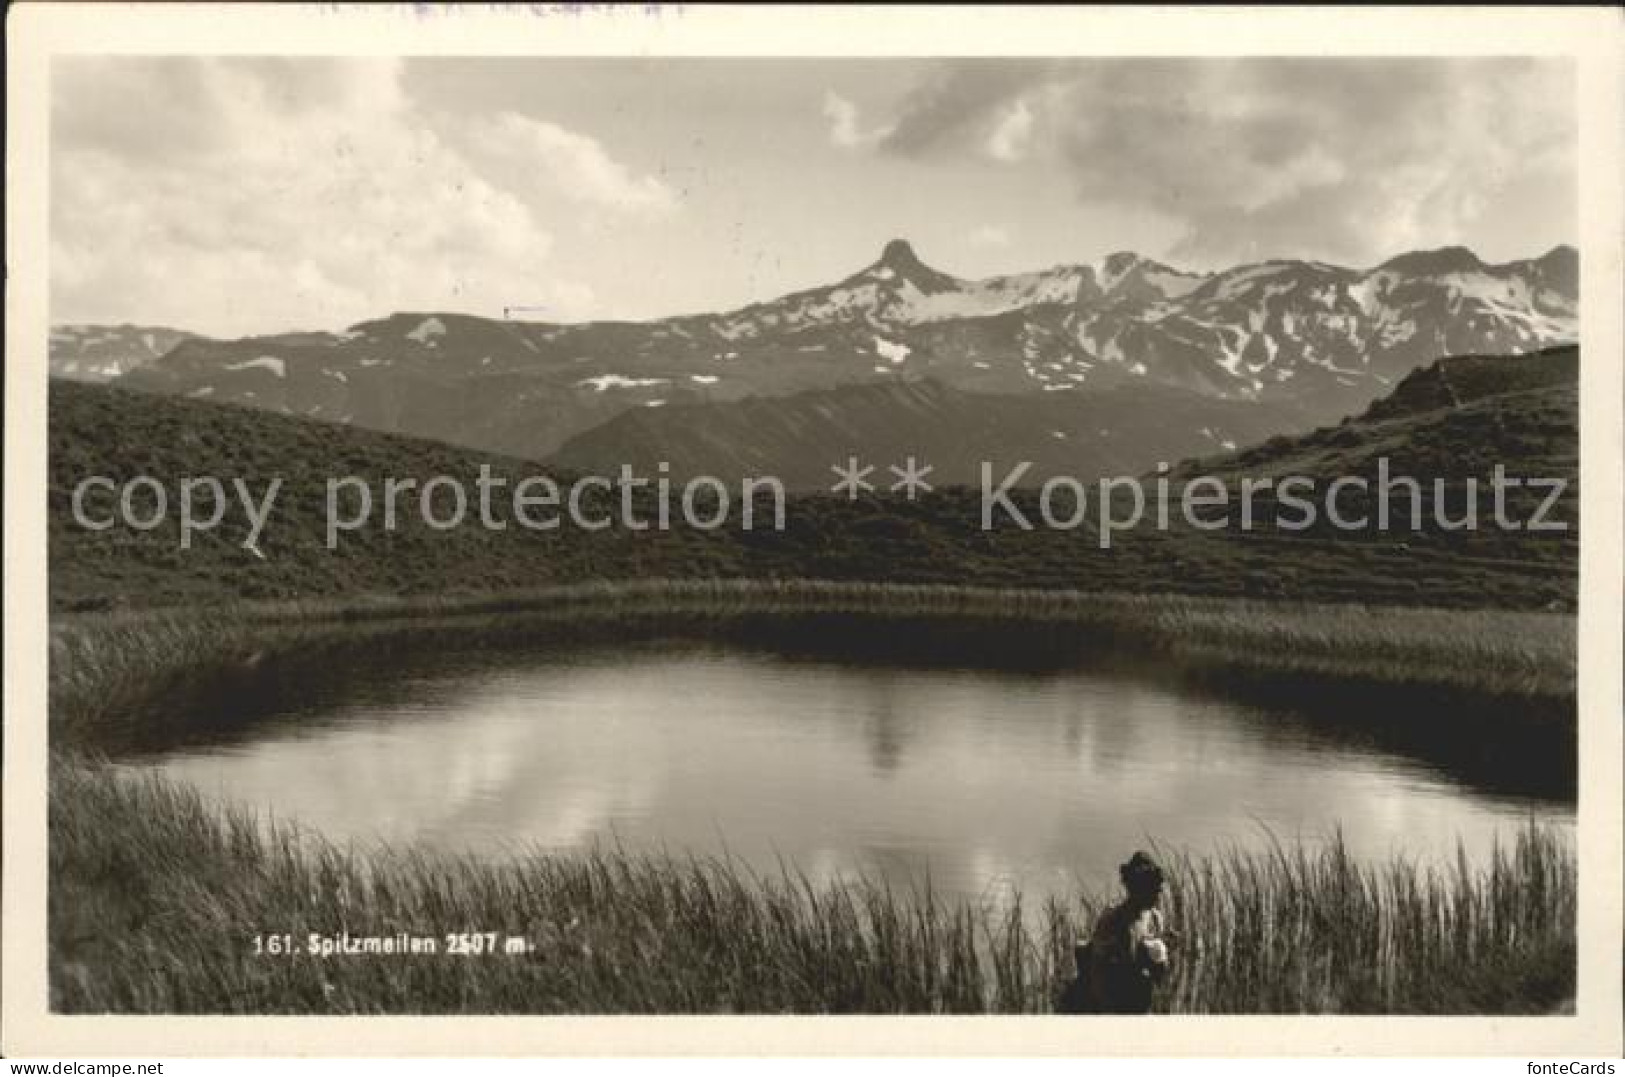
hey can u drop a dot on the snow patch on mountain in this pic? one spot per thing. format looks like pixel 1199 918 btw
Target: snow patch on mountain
pixel 997 295
pixel 276 366
pixel 891 351
pixel 427 330
pixel 604 382
pixel 1237 282
pixel 1110 271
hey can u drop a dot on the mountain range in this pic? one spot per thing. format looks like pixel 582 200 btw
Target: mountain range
pixel 1065 361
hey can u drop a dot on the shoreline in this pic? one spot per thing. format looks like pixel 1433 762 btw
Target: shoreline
pixel 1503 665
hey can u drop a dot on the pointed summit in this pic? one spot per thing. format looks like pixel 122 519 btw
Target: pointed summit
pixel 1561 255
pixel 1559 268
pixel 898 261
pixel 899 254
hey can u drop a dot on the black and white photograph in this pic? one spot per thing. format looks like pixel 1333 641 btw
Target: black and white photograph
pixel 696 531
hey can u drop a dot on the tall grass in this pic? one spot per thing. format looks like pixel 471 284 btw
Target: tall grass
pixel 157 895
pixel 1296 929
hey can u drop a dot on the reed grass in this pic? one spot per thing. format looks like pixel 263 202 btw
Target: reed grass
pixel 157 896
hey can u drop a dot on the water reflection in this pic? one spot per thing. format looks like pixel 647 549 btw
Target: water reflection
pixel 987 779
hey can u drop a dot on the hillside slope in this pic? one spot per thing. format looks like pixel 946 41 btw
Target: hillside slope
pixel 1457 420
pixel 1457 417
pixel 99 430
pixel 798 438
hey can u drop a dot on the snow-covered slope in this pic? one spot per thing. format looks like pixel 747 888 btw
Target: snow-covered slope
pixel 103 352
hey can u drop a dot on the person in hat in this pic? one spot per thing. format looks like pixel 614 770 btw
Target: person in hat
pixel 1126 958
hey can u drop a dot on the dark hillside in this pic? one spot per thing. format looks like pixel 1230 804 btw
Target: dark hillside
pixel 97 430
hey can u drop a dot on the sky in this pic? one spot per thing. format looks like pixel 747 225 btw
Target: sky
pixel 237 196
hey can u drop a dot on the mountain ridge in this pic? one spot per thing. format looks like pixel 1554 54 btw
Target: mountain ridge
pixel 1317 339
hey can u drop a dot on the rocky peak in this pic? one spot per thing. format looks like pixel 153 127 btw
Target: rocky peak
pixel 900 259
pixel 1119 262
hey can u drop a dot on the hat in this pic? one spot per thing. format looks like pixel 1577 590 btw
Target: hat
pixel 1140 869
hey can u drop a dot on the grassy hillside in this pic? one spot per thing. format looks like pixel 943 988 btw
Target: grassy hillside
pixel 97 430
pixel 1456 419
pixel 122 434
pixel 1453 417
pixel 1460 380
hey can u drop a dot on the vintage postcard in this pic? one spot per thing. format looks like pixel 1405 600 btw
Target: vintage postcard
pixel 673 529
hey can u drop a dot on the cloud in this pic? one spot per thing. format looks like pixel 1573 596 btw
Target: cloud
pixel 846 124
pixel 1343 159
pixel 576 166
pixel 1013 133
pixel 231 196
pixel 843 121
pixel 960 101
